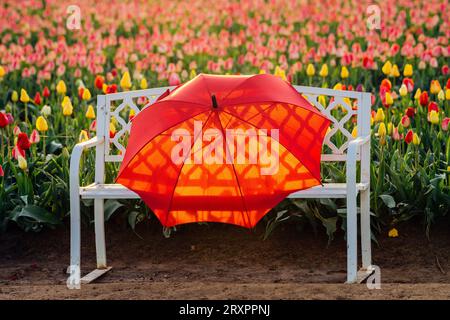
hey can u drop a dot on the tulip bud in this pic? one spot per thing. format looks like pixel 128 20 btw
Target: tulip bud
pixel 143 83
pixel 387 67
pixel 441 95
pixel 34 137
pixel 310 70
pixel 22 162
pixel 409 137
pixel 389 128
pixel 24 96
pixel 416 139
pixel 403 90
pixel 423 100
pixel 46 110
pixel 86 94
pixel 435 87
pixel 394 71
pixel 355 132
pixel 90 113
pixel 445 123
pixel 41 124
pixel 323 71
pixel 61 87
pixel 408 70
pixel 125 82
pixel 379 117
pixel 396 134
pixel 433 117
pixel 193 73
pixel 447 94
pixel 344 72
pixel 14 96
pixel 405 121
pixel 382 129
pixel 388 99
pixel 83 136
pixel 417 94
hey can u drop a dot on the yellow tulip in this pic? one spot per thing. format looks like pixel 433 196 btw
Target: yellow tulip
pixel 310 70
pixel 67 106
pixel 322 100
pixel 379 117
pixel 434 117
pixel 382 130
pixel 14 96
pixel 386 69
pixel 323 71
pixel 193 73
pixel 86 94
pixel 441 95
pixel 125 82
pixel 388 98
pixel 416 139
pixel 389 128
pixel 447 94
pixel 104 88
pixel 408 70
pixel 280 73
pixel 22 162
pixel 355 132
pixel 2 72
pixel 143 83
pixel 112 128
pixel 41 124
pixel 418 93
pixel 24 96
pixel 344 72
pixel 393 233
pixel 435 87
pixel 403 90
pixel 61 87
pixel 90 113
pixel 83 136
pixel 394 71
pixel 337 86
pixel 132 113
pixel 65 101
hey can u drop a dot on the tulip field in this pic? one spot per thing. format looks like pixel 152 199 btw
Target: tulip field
pixel 52 68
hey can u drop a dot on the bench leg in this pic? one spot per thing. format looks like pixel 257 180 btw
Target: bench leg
pixel 100 247
pixel 100 233
pixel 365 230
pixel 73 282
pixel 352 237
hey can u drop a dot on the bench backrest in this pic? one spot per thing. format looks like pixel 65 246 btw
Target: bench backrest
pixel 353 105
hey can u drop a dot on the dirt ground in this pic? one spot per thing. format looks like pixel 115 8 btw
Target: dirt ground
pixel 223 262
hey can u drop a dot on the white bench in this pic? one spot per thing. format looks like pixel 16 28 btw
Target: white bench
pixel 112 150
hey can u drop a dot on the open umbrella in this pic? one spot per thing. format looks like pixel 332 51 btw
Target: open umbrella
pixel 223 149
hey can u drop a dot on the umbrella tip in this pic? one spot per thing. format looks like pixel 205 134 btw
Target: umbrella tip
pixel 214 101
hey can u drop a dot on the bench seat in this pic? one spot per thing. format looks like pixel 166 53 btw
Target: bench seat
pixel 117 191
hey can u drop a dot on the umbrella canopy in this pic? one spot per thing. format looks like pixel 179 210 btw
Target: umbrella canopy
pixel 223 149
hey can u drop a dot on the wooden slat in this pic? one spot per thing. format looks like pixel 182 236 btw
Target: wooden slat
pixel 117 191
pixel 97 273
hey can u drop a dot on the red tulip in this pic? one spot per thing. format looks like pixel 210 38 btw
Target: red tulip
pixel 410 112
pixel 448 84
pixel 112 88
pixel 2 173
pixel 80 92
pixel 405 121
pixel 23 142
pixel 37 98
pixel 93 126
pixel 385 85
pixel 433 106
pixel 3 120
pixel 409 83
pixel 16 151
pixel 445 123
pixel 445 69
pixel 409 137
pixel 423 99
pixel 98 82
pixel 46 92
pixel 114 72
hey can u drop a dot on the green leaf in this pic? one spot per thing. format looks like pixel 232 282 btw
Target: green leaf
pixel 133 219
pixel 111 206
pixel 35 213
pixel 388 200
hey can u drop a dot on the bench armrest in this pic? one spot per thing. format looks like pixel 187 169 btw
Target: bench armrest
pixel 75 160
pixel 352 152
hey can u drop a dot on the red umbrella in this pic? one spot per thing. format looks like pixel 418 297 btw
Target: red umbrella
pixel 223 149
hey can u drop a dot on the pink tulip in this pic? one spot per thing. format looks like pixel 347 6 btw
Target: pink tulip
pixel 445 123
